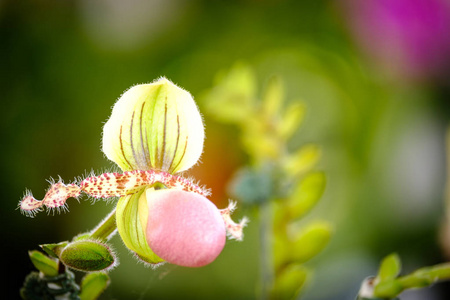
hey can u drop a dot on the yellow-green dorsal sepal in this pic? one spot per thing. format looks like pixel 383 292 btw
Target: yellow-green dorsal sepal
pixel 130 227
pixel 154 126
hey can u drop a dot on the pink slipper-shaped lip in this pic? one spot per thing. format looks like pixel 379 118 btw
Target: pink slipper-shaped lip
pixel 184 228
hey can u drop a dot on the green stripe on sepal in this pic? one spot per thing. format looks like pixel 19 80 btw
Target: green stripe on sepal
pixel 130 228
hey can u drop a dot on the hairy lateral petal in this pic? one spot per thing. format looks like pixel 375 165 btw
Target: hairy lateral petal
pixel 154 126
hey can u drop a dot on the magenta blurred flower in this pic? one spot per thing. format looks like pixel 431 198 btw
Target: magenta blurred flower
pixel 410 38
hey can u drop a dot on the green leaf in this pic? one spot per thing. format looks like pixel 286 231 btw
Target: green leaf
pixel 45 264
pixel 257 140
pixel 88 256
pixel 281 251
pixel 54 250
pixel 93 285
pixel 232 99
pixel 273 96
pixel 310 241
pixel 306 194
pixel 289 282
pixel 303 160
pixel 390 267
pixel 291 120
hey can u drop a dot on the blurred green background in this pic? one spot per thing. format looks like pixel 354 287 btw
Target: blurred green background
pixel 377 106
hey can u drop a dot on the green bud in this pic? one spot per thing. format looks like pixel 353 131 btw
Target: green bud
pixel 311 241
pixel 54 250
pixel 154 126
pixel 88 256
pixel 93 285
pixel 45 264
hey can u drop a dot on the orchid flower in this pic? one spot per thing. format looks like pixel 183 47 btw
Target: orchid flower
pixel 155 131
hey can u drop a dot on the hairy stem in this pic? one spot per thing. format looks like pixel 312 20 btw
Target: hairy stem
pixel 107 227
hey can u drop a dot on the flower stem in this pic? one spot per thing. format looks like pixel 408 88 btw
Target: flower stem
pixel 266 253
pixel 107 227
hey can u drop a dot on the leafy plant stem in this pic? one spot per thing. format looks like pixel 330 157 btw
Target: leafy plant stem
pixel 426 276
pixel 420 278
